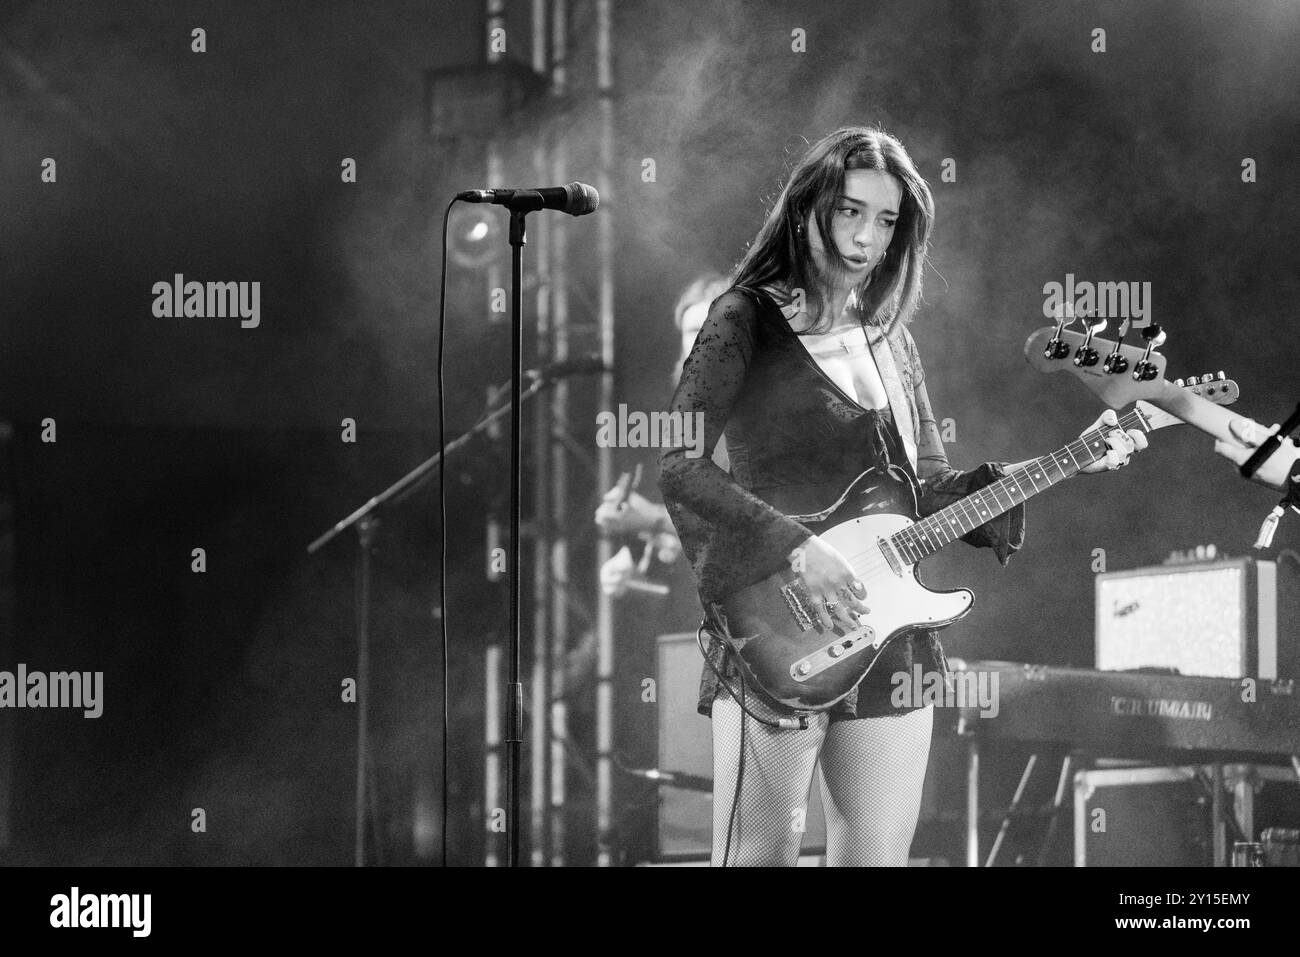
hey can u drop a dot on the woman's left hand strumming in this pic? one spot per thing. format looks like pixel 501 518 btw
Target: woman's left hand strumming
pixel 1120 444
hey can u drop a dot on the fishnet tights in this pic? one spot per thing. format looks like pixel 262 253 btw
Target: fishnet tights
pixel 872 771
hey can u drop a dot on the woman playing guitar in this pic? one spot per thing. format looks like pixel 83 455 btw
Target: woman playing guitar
pixel 807 366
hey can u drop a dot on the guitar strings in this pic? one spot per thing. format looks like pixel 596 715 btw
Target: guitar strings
pixel 915 534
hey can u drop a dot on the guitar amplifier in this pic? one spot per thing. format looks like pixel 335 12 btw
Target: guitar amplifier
pixel 685 815
pixel 1225 619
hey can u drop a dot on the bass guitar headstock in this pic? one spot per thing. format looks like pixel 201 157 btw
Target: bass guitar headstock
pixel 1120 374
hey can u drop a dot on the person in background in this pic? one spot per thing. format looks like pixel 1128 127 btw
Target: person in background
pixel 622 515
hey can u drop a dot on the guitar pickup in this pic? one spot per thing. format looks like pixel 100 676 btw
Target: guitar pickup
pixel 890 557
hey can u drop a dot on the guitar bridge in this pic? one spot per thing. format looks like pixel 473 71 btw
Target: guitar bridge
pixel 798 599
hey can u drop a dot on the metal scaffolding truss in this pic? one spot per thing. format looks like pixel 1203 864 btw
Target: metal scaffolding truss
pixel 569 315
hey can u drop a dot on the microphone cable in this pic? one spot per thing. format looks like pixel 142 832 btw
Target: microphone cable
pixel 442 532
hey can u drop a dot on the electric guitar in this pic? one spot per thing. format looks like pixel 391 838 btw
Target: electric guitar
pixel 773 624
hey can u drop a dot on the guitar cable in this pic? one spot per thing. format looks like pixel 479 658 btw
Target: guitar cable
pixel 740 778
pixel 799 723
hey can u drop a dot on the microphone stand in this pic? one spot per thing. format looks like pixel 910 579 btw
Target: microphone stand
pixel 1270 445
pixel 1260 467
pixel 520 204
pixel 577 200
pixel 365 522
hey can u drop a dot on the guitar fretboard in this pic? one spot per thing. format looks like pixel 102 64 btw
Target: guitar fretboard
pixel 927 536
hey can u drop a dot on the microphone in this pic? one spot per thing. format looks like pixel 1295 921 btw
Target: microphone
pixel 576 199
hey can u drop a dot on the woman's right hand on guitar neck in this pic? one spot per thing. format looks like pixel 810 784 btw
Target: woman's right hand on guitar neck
pixel 831 581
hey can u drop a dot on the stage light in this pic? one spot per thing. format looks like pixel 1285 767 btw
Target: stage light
pixel 473 237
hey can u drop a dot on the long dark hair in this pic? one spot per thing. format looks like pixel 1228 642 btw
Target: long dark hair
pixel 781 255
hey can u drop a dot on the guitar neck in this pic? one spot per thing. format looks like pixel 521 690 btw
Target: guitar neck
pixel 1211 419
pixel 925 537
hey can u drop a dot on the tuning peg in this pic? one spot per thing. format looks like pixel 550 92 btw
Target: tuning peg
pixel 1221 375
pixel 1115 363
pixel 1193 380
pixel 1145 369
pixel 1056 347
pixel 1208 377
pixel 1179 383
pixel 1086 355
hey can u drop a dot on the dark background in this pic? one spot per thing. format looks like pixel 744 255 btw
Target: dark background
pixel 222 690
